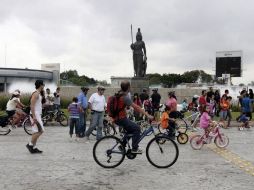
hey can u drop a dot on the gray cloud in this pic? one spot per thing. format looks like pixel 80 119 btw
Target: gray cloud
pixel 94 36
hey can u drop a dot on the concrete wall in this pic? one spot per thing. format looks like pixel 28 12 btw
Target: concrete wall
pixel 180 93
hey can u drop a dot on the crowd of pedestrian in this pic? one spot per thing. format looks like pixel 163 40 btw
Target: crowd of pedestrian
pixel 210 103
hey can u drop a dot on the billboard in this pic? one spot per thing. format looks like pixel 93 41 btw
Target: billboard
pixel 229 62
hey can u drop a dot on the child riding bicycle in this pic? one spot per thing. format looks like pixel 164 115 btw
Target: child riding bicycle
pixel 168 122
pixel 206 122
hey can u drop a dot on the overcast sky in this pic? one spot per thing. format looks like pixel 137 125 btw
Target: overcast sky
pixel 94 36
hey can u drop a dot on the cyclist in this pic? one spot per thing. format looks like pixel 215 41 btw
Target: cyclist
pixel 12 105
pixel 122 120
pixel 168 122
pixel 206 122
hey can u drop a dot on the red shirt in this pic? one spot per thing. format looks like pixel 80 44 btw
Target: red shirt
pixel 202 100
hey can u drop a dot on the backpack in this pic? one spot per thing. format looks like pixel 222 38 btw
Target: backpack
pixel 113 105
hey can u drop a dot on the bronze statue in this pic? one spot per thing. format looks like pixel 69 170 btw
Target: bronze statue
pixel 139 55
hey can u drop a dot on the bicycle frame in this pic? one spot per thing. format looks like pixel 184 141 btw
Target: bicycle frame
pixel 216 131
pixel 196 115
pixel 145 133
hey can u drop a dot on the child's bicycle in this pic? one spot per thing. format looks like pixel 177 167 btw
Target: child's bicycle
pixel 161 151
pixel 220 139
pixel 181 129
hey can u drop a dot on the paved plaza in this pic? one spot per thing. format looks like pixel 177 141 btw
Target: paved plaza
pixel 67 165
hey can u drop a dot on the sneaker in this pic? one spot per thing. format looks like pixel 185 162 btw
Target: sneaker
pixel 136 151
pixel 36 150
pixel 30 148
pixel 77 139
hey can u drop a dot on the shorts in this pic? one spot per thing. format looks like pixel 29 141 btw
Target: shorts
pixel 10 113
pixel 223 114
pixel 37 127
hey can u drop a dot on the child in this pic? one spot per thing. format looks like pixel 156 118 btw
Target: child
pixel 212 106
pixel 184 105
pixel 74 110
pixel 168 123
pixel 193 107
pixel 245 122
pixel 205 121
pixel 224 105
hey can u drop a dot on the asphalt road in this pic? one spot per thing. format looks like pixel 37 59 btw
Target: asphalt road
pixel 67 165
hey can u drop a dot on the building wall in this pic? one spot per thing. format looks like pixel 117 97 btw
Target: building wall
pixel 180 93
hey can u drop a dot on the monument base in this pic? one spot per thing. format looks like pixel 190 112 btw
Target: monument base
pixel 138 84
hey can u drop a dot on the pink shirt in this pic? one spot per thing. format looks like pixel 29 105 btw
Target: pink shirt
pixel 172 103
pixel 204 120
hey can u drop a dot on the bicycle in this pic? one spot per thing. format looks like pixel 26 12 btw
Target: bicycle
pixel 184 124
pixel 181 129
pixel 221 140
pixel 110 152
pixel 55 115
pixel 6 125
pixel 108 127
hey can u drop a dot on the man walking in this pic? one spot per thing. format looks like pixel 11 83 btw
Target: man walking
pixel 82 100
pixel 97 105
pixel 36 110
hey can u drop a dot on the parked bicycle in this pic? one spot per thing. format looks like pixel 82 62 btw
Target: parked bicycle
pixel 55 115
pixel 110 152
pixel 220 139
pixel 6 125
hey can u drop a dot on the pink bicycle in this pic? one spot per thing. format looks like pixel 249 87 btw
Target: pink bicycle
pixel 220 139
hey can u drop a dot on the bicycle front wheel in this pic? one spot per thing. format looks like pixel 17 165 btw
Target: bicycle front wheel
pixel 63 120
pixel 196 142
pixel 221 141
pixel 110 130
pixel 181 125
pixel 108 152
pixel 28 126
pixel 162 152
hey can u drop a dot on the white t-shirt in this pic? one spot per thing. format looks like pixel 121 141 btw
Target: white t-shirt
pixel 11 104
pixel 97 101
pixel 38 105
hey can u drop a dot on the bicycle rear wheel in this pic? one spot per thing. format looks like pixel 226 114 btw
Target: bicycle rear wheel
pixel 5 130
pixel 162 152
pixel 196 142
pixel 108 152
pixel 28 126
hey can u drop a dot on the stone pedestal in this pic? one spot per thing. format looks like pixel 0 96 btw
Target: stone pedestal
pixel 138 84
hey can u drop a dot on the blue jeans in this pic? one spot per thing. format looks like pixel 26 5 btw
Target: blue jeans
pixel 74 123
pixel 131 128
pixel 82 124
pixel 97 121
